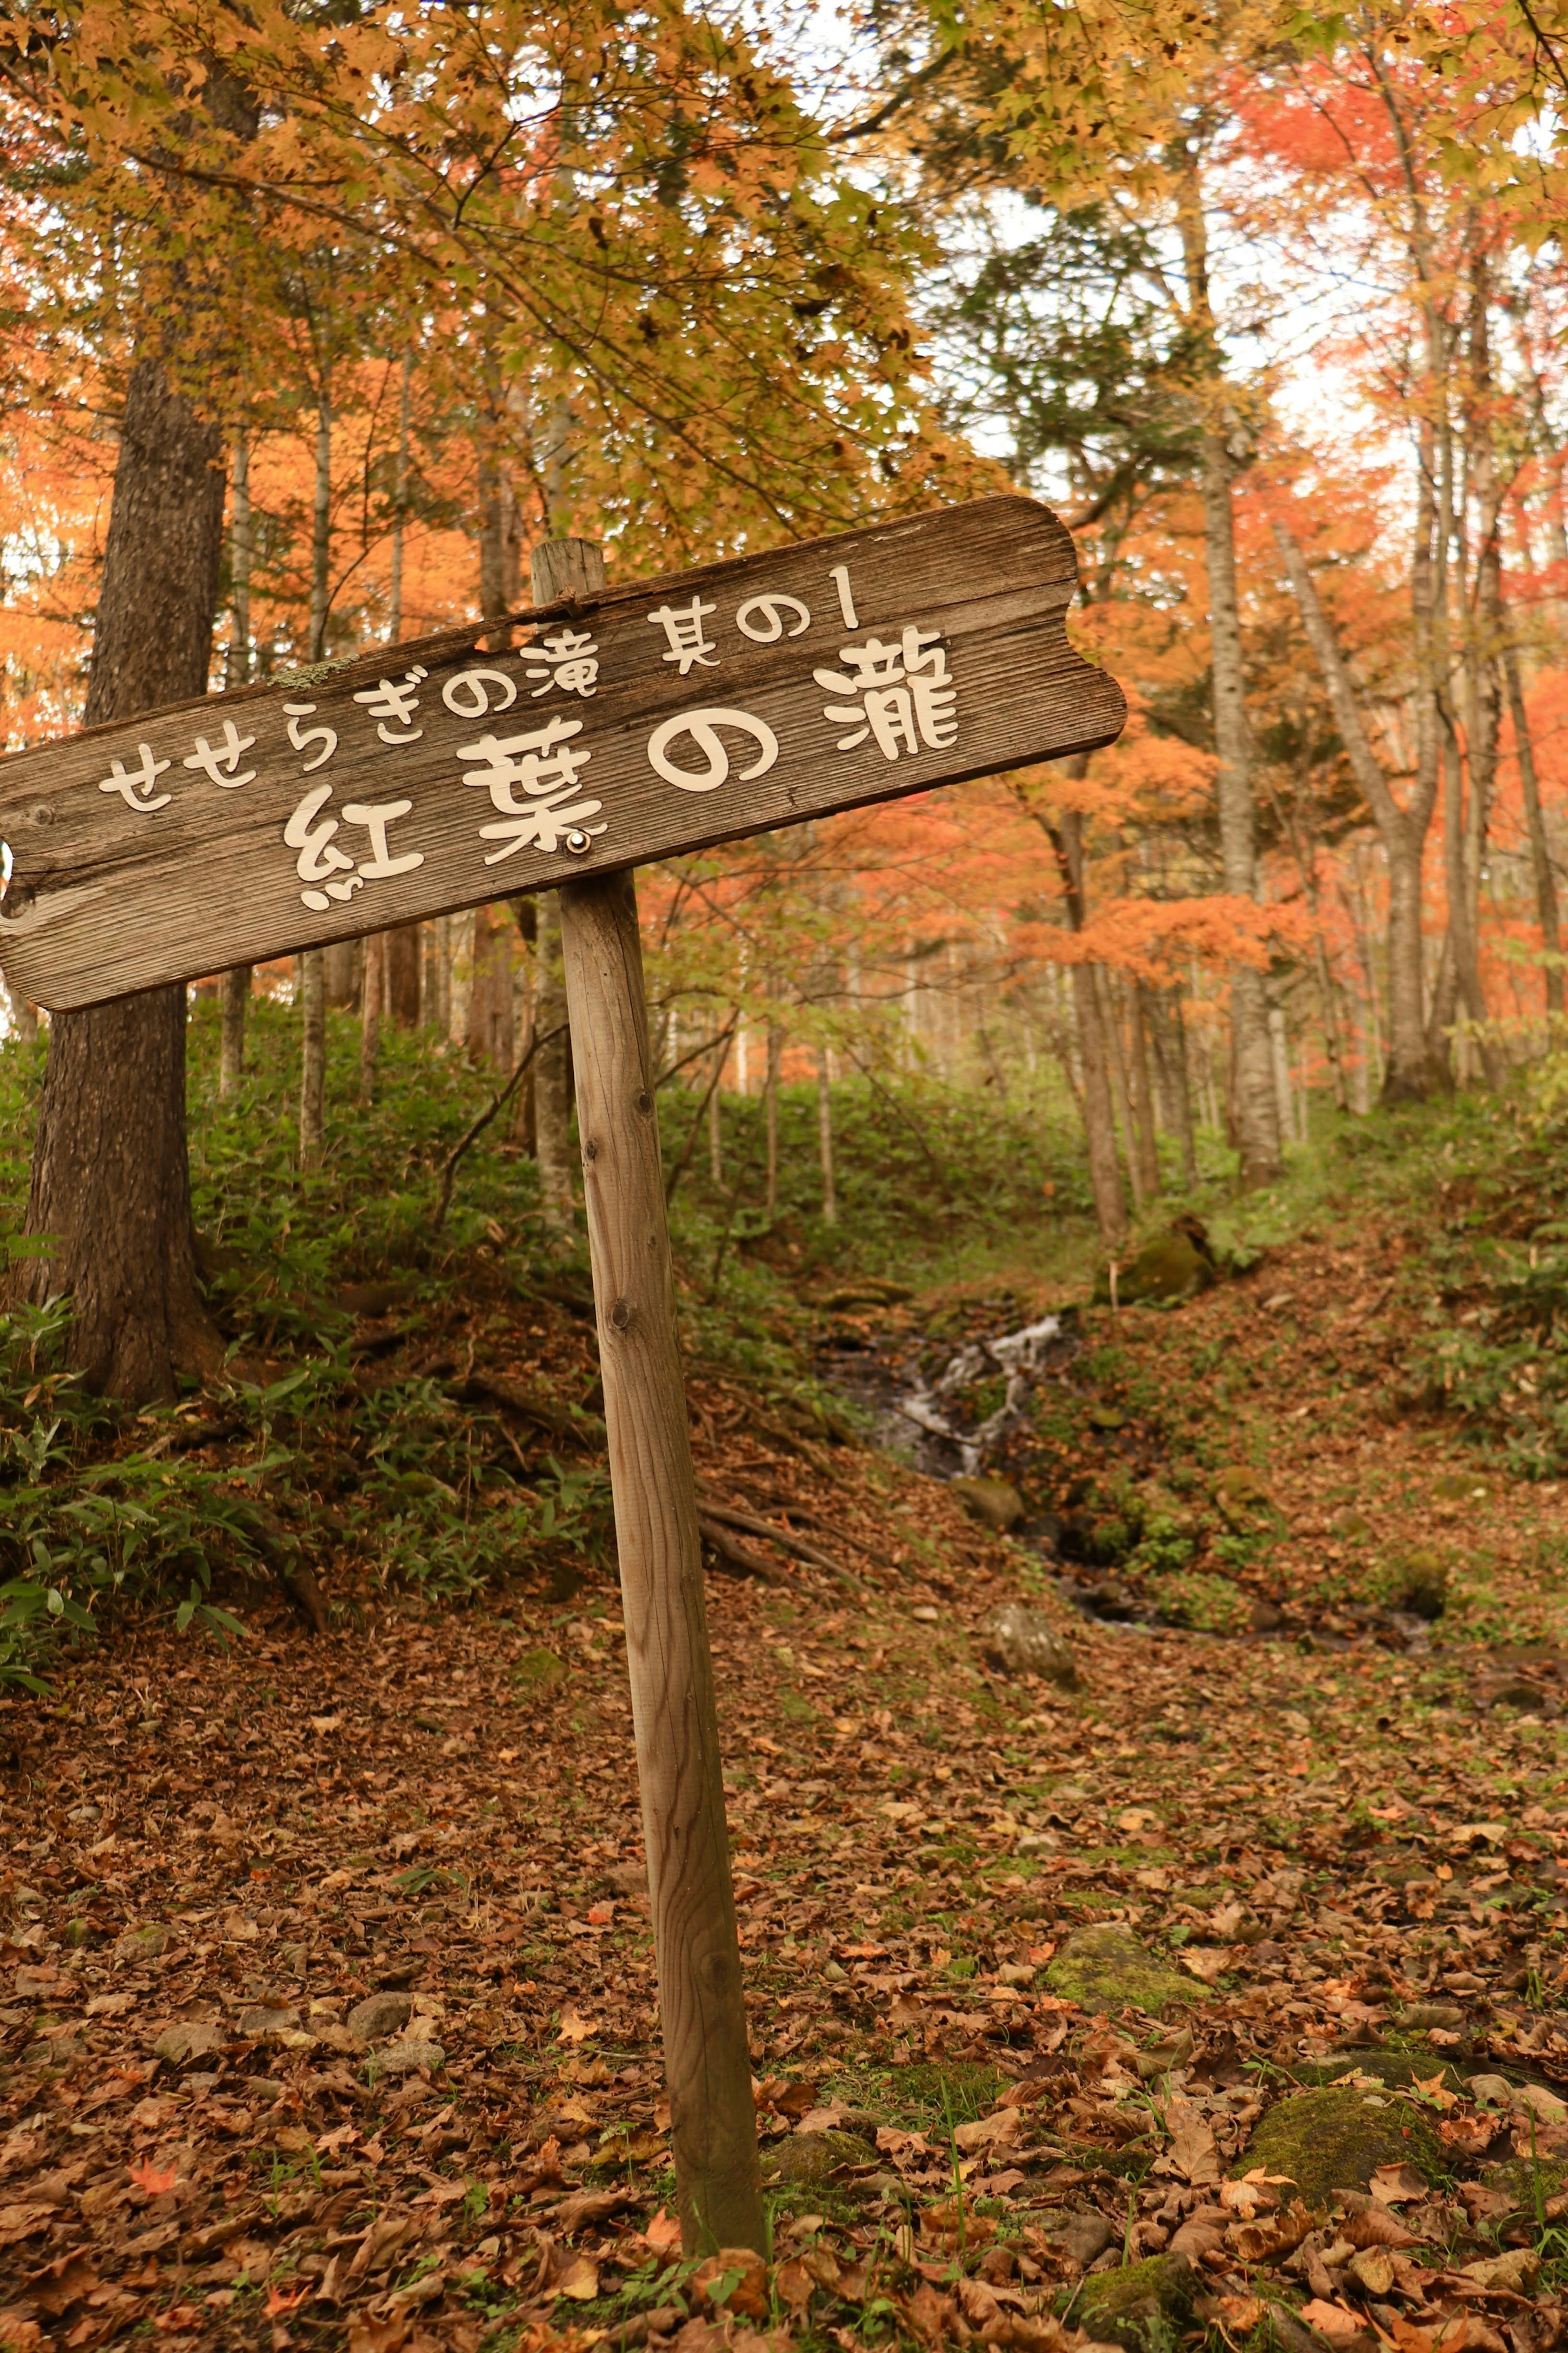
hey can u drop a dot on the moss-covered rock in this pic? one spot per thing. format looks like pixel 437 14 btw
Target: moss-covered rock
pixel 1145 2307
pixel 1520 2181
pixel 995 1502
pixel 1174 1266
pixel 1421 1583
pixel 536 1671
pixel 1105 1968
pixel 1336 2138
pixel 1415 2064
pixel 813 2160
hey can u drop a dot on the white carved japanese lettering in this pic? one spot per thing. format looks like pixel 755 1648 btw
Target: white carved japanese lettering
pixel 223 764
pixel 134 785
pixel 396 702
pixel 468 692
pixel 544 764
pixel 689 643
pixel 300 736
pixel 761 618
pixel 702 726
pixel 571 663
pixel 907 697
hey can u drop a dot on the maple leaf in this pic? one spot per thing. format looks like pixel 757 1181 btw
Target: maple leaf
pixel 277 2302
pixel 153 2178
pixel 663 2234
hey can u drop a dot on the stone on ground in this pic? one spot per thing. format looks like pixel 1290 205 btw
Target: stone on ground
pixel 1336 2139
pixel 811 2160
pixel 1176 1265
pixel 1145 2307
pixel 381 2015
pixel 995 1502
pixel 1104 1968
pixel 1024 1642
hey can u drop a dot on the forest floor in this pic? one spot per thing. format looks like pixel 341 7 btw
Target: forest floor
pixel 1219 1996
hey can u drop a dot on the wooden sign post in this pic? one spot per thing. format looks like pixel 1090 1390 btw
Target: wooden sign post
pixel 634 722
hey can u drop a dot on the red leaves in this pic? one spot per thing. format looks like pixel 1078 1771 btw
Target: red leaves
pixel 154 2180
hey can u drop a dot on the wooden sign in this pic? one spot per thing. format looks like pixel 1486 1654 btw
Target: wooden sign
pixel 632 724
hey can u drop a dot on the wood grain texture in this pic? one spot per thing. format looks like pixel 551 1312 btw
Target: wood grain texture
pixel 107 897
pixel 674 1715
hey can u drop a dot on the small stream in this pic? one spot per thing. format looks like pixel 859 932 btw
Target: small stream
pixel 919 1391
pixel 917 1414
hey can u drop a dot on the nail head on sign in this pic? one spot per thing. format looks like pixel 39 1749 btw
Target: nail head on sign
pixel 578 842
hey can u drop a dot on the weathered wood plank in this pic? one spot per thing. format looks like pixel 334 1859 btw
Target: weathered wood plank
pixel 431 776
pixel 702 2011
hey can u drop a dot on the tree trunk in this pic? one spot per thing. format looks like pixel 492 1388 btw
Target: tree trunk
pixel 1257 1121
pixel 824 1138
pixel 23 1016
pixel 1168 1035
pixel 241 548
pixel 1540 847
pixel 372 991
pixel 231 1052
pixel 1440 1017
pixel 716 1113
pixel 524 1125
pixel 341 966
pixel 399 508
pixel 1461 937
pixel 110 1179
pixel 402 998
pixel 1143 1107
pixel 1410 1075
pixel 436 988
pixel 1099 1119
pixel 553 1072
pixel 490 1022
pixel 322 526
pixel 313 1059
pixel 775 1058
pixel 1121 1094
pixel 1279 1052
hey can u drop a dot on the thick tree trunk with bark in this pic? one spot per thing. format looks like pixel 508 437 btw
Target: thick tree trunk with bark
pixel 401 1003
pixel 1257 1114
pixel 110 1179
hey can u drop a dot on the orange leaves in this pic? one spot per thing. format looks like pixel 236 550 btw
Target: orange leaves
pixel 154 2180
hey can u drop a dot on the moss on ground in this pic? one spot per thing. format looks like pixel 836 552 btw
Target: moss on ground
pixel 1145 2307
pixel 1397 2068
pixel 1105 1968
pixel 1336 2139
pixel 819 2171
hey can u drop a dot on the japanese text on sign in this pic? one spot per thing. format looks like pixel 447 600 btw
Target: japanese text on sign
pixel 896 697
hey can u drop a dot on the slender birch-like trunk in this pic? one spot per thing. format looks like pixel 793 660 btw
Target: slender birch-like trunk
pixel 1258 1123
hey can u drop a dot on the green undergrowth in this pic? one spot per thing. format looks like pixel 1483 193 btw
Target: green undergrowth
pixel 320 1458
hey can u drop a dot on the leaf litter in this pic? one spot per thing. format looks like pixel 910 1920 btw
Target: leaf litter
pixel 328 1989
